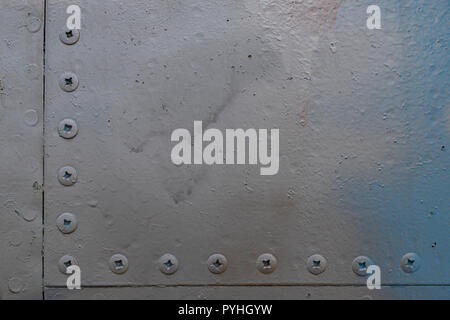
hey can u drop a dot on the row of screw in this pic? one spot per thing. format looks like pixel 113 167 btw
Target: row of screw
pixel 266 264
pixel 217 263
pixel 68 129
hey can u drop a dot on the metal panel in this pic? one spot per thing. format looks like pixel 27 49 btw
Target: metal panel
pixel 21 107
pixel 363 120
pixel 251 293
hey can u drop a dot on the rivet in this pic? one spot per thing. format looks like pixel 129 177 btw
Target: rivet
pixel 118 264
pixel 65 262
pixel 67 223
pixel 33 71
pixel 67 176
pixel 31 118
pixel 360 265
pixel 68 129
pixel 33 24
pixel 217 263
pixel 266 263
pixel 15 285
pixel 411 262
pixel 29 215
pixel 316 264
pixel 168 264
pixel 15 238
pixel 69 37
pixel 68 82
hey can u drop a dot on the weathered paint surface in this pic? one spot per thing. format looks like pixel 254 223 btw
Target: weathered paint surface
pixel 364 125
pixel 251 293
pixel 21 141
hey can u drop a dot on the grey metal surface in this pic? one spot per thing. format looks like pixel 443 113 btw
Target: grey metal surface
pixel 364 123
pixel 21 142
pixel 361 163
pixel 251 293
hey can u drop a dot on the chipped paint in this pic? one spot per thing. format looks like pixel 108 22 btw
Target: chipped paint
pixel 364 138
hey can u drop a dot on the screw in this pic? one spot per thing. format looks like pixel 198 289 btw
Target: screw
pixel 68 82
pixel 316 264
pixel 66 262
pixel 67 223
pixel 360 265
pixel 67 129
pixel 217 263
pixel 118 264
pixel 67 176
pixel 69 37
pixel 168 264
pixel 410 263
pixel 266 263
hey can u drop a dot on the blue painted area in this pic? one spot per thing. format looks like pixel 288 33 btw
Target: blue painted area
pixel 405 206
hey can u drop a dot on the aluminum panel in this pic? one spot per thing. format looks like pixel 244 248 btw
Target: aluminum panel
pixel 251 293
pixel 364 125
pixel 21 143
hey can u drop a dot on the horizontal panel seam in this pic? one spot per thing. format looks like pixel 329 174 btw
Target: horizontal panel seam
pixel 244 285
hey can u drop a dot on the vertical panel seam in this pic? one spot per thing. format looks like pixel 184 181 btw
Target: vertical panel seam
pixel 43 148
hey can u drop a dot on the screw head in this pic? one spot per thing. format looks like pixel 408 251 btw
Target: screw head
pixel 360 265
pixel 118 264
pixel 67 223
pixel 316 264
pixel 411 262
pixel 65 262
pixel 68 129
pixel 217 263
pixel 68 81
pixel 266 263
pixel 69 37
pixel 168 264
pixel 67 176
